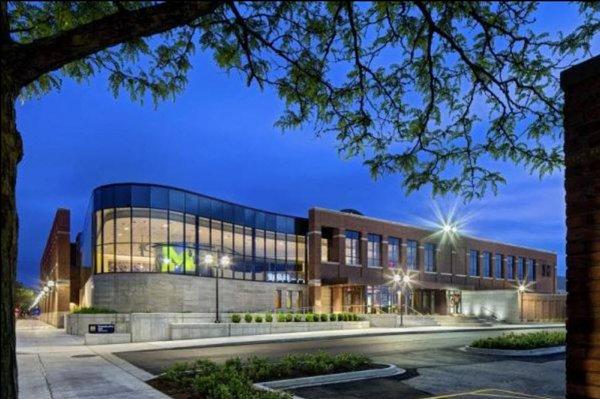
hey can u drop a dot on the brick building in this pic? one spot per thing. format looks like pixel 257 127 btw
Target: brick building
pixel 155 248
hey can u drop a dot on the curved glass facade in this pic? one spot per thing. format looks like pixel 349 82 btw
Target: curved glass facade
pixel 153 228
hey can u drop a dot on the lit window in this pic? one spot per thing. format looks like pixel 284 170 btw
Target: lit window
pixel 411 254
pixel 352 247
pixel 430 257
pixel 374 250
pixel 393 252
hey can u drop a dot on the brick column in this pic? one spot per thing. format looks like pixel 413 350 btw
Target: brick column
pixel 581 85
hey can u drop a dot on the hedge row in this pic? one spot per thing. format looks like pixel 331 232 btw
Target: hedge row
pixel 294 317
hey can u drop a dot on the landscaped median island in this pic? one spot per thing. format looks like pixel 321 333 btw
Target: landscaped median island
pixel 537 343
pixel 523 341
pixel 204 379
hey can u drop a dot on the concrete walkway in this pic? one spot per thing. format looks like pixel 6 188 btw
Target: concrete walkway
pixel 53 364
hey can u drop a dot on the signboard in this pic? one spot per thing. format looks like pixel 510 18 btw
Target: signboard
pixel 101 328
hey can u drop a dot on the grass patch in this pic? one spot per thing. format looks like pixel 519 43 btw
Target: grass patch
pixel 532 340
pixel 93 310
pixel 204 379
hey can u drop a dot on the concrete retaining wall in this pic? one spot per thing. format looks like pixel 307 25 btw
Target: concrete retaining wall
pixel 77 324
pixel 211 330
pixel 393 320
pixel 162 292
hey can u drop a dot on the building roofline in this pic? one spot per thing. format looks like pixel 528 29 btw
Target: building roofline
pixel 424 229
pixel 195 193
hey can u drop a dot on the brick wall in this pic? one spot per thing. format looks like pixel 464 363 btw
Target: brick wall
pixel 581 85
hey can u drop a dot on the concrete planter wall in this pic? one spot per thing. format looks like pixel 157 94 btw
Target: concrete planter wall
pixel 77 324
pixel 211 330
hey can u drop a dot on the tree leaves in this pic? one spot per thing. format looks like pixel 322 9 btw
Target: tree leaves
pixel 430 91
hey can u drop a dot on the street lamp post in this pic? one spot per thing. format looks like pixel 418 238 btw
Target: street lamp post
pixel 521 292
pixel 403 282
pixel 223 261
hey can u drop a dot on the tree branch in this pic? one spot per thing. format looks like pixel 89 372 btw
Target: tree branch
pixel 32 60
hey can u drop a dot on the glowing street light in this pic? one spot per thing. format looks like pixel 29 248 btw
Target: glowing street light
pixel 50 283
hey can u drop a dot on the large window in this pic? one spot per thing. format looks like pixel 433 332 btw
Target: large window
pixel 521 268
pixel 411 254
pixel 487 264
pixel 473 262
pixel 324 250
pixel 352 247
pixel 393 252
pixel 498 272
pixel 510 267
pixel 374 250
pixel 157 229
pixel 430 257
pixel 531 270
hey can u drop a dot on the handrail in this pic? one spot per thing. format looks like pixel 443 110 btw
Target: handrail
pixel 493 314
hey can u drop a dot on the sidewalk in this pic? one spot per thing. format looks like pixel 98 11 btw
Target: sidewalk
pixel 54 364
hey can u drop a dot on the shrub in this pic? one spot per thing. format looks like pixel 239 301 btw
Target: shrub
pixel 280 317
pixel 324 317
pixel 355 317
pixel 289 317
pixel 236 318
pixel 234 378
pixel 308 317
pixel 532 340
pixel 332 317
pixel 340 317
pixel 258 318
pixel 268 317
pixel 297 317
pixel 248 318
pixel 317 317
pixel 93 310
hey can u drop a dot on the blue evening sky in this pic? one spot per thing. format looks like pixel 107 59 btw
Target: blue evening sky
pixel 218 138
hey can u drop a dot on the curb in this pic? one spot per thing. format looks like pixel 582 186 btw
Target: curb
pixel 389 371
pixel 400 331
pixel 552 350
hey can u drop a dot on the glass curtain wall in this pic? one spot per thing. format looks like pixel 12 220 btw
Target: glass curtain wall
pixel 139 228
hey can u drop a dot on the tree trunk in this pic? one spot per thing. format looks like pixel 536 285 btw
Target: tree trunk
pixel 11 152
pixel 582 184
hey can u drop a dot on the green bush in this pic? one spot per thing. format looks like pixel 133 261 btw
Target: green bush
pixel 93 310
pixel 532 340
pixel 258 318
pixel 308 317
pixel 297 317
pixel 354 317
pixel 324 317
pixel 280 317
pixel 235 377
pixel 332 317
pixel 289 317
pixel 268 317
pixel 236 318
pixel 340 317
pixel 248 318
pixel 317 317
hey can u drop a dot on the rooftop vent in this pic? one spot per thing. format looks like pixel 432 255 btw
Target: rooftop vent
pixel 351 211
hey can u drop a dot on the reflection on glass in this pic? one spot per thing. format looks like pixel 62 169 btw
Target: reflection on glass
pixel 98 259
pixel 248 242
pixel 227 238
pixel 291 248
pixel 108 229
pixel 123 258
pixel 204 233
pixel 239 240
pixel 98 227
pixel 270 245
pixel 281 246
pixel 108 258
pixel 190 230
pixel 259 242
pixel 159 226
pixel 215 235
pixel 176 228
pixel 140 257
